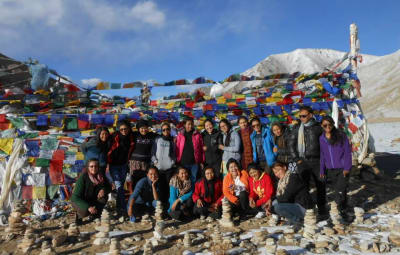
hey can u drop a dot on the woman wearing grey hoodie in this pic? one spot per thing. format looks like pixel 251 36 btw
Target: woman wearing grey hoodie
pixel 163 153
pixel 230 144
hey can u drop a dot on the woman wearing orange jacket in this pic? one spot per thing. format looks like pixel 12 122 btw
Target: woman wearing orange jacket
pixel 236 187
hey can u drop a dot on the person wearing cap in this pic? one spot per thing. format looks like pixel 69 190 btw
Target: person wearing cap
pixel 121 148
pixel 141 155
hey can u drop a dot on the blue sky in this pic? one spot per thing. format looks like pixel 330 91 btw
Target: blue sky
pixel 122 41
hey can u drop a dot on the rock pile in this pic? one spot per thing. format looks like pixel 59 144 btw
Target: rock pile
pixel 288 238
pixel 217 236
pixel 73 230
pixel 159 230
pixel 115 247
pixel 47 249
pixel 148 248
pixel 273 220
pixel 394 235
pixel 310 227
pixel 27 242
pixel 359 213
pixel 259 236
pixel 187 241
pixel 270 245
pixel 336 219
pixel 102 237
pixel 15 224
pixel 226 219
pixel 146 220
pixel 159 211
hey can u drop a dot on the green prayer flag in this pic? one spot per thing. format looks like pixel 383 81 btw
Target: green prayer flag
pixel 17 122
pixel 52 190
pixel 49 144
pixel 42 162
pixel 71 123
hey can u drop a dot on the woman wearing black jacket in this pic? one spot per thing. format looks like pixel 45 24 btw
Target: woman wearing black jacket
pixel 281 138
pixel 213 155
pixel 292 197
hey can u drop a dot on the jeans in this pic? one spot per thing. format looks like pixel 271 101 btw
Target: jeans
pixel 140 208
pixel 118 174
pixel 291 211
pixel 193 170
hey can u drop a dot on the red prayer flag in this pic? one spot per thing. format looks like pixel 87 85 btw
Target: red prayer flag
pixel 56 174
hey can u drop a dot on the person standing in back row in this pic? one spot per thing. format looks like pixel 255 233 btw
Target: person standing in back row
pixel 213 155
pixel 246 148
pixel 304 150
pixel 335 161
pixel 189 149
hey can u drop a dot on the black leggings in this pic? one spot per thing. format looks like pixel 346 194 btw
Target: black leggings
pixel 243 206
pixel 181 209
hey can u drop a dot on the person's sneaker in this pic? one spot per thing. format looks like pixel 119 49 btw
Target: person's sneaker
pixel 132 219
pixel 260 215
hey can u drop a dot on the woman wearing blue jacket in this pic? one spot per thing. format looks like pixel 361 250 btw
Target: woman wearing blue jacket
pixel 97 148
pixel 180 195
pixel 263 145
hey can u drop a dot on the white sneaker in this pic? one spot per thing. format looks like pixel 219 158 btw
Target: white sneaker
pixel 260 215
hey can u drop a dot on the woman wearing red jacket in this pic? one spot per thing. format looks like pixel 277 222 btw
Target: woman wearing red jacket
pixel 207 195
pixel 261 190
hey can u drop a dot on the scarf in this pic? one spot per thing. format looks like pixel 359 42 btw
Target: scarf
pixel 182 186
pixel 209 188
pixel 301 144
pixel 96 179
pixel 282 184
pixel 228 139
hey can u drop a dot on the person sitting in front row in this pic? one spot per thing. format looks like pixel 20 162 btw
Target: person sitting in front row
pixel 292 197
pixel 261 190
pixel 90 192
pixel 180 195
pixel 208 195
pixel 145 195
pixel 236 187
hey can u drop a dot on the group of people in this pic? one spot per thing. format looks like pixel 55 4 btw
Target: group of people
pixel 259 169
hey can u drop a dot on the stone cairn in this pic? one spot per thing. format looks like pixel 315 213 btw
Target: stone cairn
pixel 310 227
pixel 259 237
pixel 273 220
pixel 27 242
pixel 159 211
pixel 15 224
pixel 289 237
pixel 336 219
pixel 158 232
pixel 217 236
pixel 148 248
pixel 270 245
pixel 146 220
pixel 102 237
pixel 226 219
pixel 187 241
pixel 394 235
pixel 115 247
pixel 359 213
pixel 73 230
pixel 47 249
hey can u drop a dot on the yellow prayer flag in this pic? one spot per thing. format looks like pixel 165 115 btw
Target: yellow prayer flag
pixel 39 192
pixel 6 145
pixel 129 103
pixel 221 100
pixel 80 156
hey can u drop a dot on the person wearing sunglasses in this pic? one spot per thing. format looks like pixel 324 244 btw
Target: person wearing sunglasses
pixel 163 154
pixel 336 161
pixel 213 155
pixel 304 150
pixel 141 155
pixel 263 144
pixel 122 145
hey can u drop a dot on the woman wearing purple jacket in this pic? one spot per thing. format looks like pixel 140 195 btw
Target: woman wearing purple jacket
pixel 335 159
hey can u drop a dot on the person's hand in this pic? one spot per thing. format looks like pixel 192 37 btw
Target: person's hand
pixel 346 173
pixel 300 161
pixel 100 194
pixel 113 186
pixel 322 176
pixel 252 204
pixel 130 211
pixel 221 147
pixel 175 204
pixel 108 168
pixel 204 148
pixel 199 203
pixel 92 210
pixel 275 149
pixel 154 183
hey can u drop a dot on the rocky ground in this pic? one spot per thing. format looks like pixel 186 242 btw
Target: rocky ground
pixel 377 233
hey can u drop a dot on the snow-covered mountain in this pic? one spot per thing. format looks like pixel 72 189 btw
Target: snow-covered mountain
pixel 379 76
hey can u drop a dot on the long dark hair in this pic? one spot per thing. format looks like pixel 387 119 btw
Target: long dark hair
pixel 228 134
pixel 337 136
pixel 102 145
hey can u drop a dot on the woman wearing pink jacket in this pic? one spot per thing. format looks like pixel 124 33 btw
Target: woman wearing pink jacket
pixel 189 149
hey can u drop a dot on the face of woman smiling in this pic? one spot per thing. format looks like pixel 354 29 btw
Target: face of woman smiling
pixel 234 170
pixel 104 135
pixel 208 127
pixel 209 173
pixel 183 174
pixel 93 167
